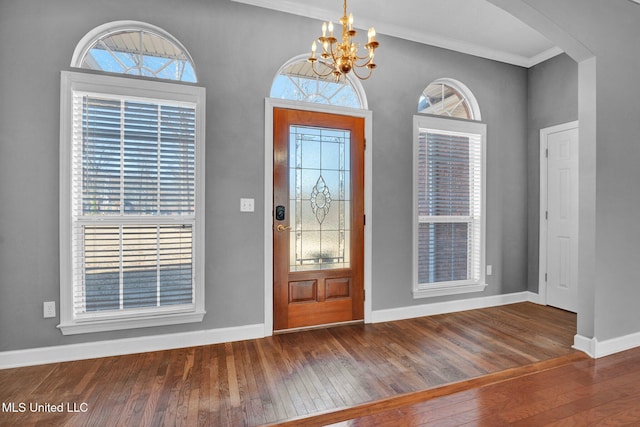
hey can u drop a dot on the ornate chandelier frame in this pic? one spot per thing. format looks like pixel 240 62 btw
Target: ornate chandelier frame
pixel 342 57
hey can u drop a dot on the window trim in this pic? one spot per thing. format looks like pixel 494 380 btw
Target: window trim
pixel 423 290
pixel 116 85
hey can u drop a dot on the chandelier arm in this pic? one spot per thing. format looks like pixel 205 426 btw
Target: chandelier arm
pixel 368 57
pixel 355 71
pixel 368 61
pixel 319 74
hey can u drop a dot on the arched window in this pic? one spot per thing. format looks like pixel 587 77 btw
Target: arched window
pixel 132 183
pixel 135 48
pixel 296 81
pixel 449 195
pixel 451 98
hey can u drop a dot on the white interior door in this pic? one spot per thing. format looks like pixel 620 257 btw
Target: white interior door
pixel 562 216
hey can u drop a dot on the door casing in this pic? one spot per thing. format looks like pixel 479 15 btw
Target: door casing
pixel 270 104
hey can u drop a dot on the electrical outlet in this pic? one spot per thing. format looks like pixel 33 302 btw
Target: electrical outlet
pixel 489 270
pixel 49 309
pixel 247 205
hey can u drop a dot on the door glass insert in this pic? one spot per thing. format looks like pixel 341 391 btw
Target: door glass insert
pixel 319 198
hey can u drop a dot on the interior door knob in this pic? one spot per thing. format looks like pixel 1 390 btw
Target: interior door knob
pixel 281 227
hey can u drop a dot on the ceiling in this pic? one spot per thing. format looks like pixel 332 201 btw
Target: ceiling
pixel 474 27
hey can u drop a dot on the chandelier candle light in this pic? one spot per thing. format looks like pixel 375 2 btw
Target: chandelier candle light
pixel 342 57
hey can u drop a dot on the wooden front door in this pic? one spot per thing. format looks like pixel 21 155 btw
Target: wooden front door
pixel 318 218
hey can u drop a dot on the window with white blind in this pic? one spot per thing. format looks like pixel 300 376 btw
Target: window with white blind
pixel 448 206
pixel 132 158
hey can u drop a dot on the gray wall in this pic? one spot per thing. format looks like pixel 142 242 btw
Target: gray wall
pixel 552 100
pixel 38 39
pixel 603 38
pixel 393 92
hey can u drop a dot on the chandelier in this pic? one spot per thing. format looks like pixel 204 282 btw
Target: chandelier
pixel 341 57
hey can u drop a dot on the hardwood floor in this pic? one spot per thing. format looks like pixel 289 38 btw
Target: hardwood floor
pixel 582 392
pixel 291 376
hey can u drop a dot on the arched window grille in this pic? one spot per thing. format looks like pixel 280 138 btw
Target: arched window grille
pixel 450 98
pixel 134 48
pixel 296 81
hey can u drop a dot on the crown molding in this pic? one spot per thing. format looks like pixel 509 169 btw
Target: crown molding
pixel 422 37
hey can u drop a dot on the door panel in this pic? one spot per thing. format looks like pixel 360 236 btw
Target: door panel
pixel 562 225
pixel 318 219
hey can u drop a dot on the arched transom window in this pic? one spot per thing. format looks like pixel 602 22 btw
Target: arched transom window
pixel 135 48
pixel 296 81
pixel 450 98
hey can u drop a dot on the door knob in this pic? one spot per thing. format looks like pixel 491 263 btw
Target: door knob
pixel 281 227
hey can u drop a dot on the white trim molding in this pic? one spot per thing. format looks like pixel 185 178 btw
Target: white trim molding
pixel 476 133
pixel 74 321
pixel 421 36
pixel 597 349
pixel 109 348
pixel 402 313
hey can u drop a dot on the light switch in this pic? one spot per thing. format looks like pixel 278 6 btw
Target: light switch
pixel 247 205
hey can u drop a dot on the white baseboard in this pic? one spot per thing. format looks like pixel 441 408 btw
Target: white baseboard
pixel 71 352
pixel 411 312
pixel 585 345
pixel 597 349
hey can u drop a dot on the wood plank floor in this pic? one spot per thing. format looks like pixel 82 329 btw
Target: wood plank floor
pixel 288 376
pixel 582 392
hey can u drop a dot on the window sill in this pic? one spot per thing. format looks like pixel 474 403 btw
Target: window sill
pixel 85 327
pixel 447 289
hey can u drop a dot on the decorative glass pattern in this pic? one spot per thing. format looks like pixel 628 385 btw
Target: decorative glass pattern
pixel 444 100
pixel 319 198
pixel 297 82
pixel 140 53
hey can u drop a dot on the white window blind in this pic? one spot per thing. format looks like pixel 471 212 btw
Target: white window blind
pixel 131 197
pixel 449 205
pixel 134 203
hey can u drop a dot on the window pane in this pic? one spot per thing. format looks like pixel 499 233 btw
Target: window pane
pixel 138 158
pixel 443 252
pixel 177 160
pixel 298 82
pixel 319 178
pixel 101 269
pixel 101 136
pixel 137 162
pixel 444 174
pixel 443 100
pixel 137 266
pixel 140 53
pixel 175 265
pixel 449 205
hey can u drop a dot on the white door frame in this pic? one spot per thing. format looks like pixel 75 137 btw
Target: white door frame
pixel 543 229
pixel 270 104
